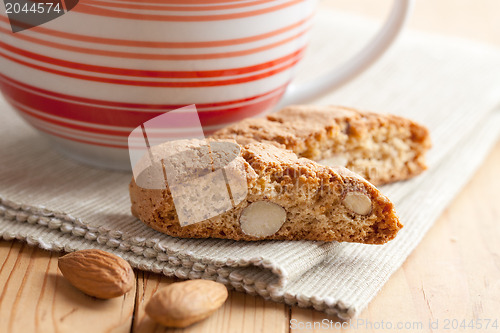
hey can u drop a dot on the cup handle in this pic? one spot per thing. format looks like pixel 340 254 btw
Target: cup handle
pixel 336 77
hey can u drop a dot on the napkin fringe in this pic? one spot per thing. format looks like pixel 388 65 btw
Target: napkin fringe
pixel 180 265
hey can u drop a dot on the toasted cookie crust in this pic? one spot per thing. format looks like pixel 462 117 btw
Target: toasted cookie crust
pixel 381 148
pixel 312 195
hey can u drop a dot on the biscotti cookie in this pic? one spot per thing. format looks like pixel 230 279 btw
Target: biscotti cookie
pixel 381 148
pixel 280 196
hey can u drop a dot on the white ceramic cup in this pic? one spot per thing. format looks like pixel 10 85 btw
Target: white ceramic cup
pixel 89 77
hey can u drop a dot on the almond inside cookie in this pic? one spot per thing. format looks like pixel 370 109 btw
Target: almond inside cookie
pixel 305 201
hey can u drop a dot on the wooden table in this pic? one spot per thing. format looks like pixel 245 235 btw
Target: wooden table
pixel 453 274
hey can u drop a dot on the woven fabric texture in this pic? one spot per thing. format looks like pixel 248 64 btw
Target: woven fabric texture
pixel 450 85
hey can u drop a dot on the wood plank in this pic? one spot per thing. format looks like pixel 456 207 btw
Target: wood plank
pixel 34 297
pixel 461 246
pixel 473 19
pixel 241 313
pixel 454 274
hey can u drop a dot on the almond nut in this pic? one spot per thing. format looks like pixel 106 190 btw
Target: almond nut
pixel 184 303
pixel 262 218
pixel 358 202
pixel 97 273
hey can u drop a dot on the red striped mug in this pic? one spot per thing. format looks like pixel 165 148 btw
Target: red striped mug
pixel 89 77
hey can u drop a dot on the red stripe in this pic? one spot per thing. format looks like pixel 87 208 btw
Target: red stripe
pixel 132 55
pixel 189 2
pixel 149 73
pixel 102 104
pixel 195 84
pixel 100 144
pixel 134 119
pixel 123 140
pixel 93 10
pixel 131 119
pixel 161 6
pixel 63 4
pixel 150 44
pixel 71 125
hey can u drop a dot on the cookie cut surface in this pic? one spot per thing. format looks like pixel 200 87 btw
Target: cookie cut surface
pixel 381 148
pixel 287 198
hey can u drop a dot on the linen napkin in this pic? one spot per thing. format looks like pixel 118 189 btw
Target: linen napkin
pixel 450 85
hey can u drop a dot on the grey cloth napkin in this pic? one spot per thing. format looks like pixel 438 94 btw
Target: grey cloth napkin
pixel 450 85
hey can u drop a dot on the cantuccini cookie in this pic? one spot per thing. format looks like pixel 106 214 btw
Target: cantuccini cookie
pixel 266 193
pixel 381 148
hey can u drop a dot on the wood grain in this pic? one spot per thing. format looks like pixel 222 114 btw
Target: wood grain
pixel 241 313
pixel 34 297
pixel 470 19
pixel 453 274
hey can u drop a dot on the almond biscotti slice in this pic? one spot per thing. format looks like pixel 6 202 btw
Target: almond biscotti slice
pixel 381 148
pixel 283 197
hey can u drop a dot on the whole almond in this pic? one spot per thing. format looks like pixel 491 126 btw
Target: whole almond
pixel 358 203
pixel 97 273
pixel 184 303
pixel 262 218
